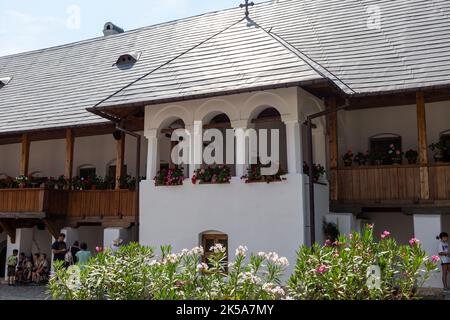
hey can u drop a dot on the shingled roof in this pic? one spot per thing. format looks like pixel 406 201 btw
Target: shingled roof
pixel 293 41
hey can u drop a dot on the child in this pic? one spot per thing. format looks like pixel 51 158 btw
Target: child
pixel 444 254
pixel 28 269
pixel 12 263
pixel 83 255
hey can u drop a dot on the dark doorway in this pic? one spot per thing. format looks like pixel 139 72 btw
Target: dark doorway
pixel 2 258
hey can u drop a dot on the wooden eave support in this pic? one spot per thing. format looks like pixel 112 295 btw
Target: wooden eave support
pixel 332 128
pixel 120 160
pixel 54 227
pixel 10 229
pixel 25 155
pixel 68 168
pixel 423 146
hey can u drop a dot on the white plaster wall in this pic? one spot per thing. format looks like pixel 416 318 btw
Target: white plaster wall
pixel 48 157
pixel 322 209
pixel 265 217
pixel 426 227
pixel 93 236
pixel 357 126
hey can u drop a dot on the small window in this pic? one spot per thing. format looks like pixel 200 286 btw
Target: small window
pixel 4 81
pixel 86 173
pixel 209 240
pixel 128 58
pixel 381 145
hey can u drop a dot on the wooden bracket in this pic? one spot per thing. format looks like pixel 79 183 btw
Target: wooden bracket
pixel 10 229
pixel 54 227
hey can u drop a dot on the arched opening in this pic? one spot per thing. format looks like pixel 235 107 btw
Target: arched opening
pixel 86 171
pixel 166 145
pixel 270 119
pixel 209 239
pixel 383 148
pixel 222 123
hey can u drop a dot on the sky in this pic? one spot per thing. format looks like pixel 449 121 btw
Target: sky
pixel 30 24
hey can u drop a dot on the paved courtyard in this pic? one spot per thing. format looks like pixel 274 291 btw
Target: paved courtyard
pixel 23 293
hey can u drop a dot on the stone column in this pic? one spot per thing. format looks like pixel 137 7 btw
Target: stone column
pixel 152 154
pixel 242 147
pixel 426 228
pixel 294 146
pixel 195 133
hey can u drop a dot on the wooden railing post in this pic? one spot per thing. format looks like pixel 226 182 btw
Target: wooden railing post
pixel 120 159
pixel 25 155
pixel 68 169
pixel 423 146
pixel 332 128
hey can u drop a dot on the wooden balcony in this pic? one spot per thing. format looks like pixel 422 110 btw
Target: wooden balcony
pixel 391 186
pixel 76 206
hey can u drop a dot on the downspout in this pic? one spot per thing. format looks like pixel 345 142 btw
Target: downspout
pixel 138 137
pixel 310 160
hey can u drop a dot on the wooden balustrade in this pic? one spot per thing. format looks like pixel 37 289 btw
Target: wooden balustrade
pixel 114 204
pixel 101 203
pixel 22 200
pixel 391 184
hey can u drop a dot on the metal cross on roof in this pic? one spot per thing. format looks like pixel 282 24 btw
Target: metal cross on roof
pixel 246 5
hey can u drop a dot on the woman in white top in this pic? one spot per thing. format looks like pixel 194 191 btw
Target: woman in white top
pixel 444 254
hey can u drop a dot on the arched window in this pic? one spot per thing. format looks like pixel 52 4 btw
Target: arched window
pixel 222 123
pixel 380 145
pixel 211 238
pixel 270 119
pixel 166 144
pixel 86 171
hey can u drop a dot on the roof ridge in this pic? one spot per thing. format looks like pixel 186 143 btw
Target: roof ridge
pixel 165 64
pixel 306 59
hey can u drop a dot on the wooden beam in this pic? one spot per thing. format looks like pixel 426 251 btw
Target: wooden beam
pixel 332 128
pixel 53 227
pixel 423 146
pixel 10 229
pixel 70 139
pixel 25 155
pixel 120 160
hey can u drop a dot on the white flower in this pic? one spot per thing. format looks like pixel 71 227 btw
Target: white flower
pixel 153 263
pixel 198 251
pixel 202 266
pixel 217 248
pixel 241 251
pixel 171 258
pixel 282 262
pixel 272 289
pixel 250 277
pixel 184 252
pixel 272 256
pixel 262 254
pixel 230 265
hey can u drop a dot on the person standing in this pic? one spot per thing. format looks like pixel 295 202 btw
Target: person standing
pixel 59 248
pixel 444 254
pixel 73 250
pixel 83 255
pixel 12 264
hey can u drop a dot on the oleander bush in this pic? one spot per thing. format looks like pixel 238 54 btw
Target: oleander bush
pixel 134 273
pixel 347 269
pixel 353 267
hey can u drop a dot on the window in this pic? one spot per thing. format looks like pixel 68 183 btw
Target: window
pixel 209 240
pixel 445 139
pixel 87 172
pixel 381 145
pixel 4 81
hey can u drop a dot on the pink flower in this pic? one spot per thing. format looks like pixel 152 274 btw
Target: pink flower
pixel 385 234
pixel 414 241
pixel 98 249
pixel 328 243
pixel 322 269
pixel 370 226
pixel 350 236
pixel 435 259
